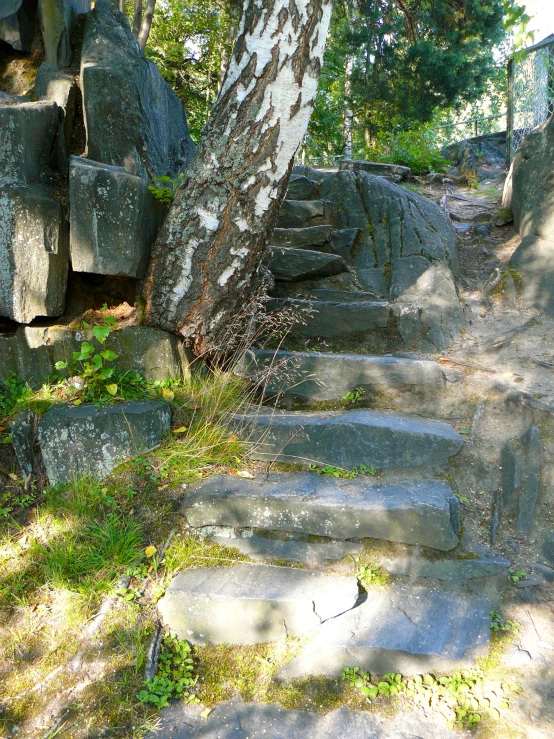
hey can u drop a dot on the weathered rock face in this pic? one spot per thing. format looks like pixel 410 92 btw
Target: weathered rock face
pixel 86 440
pixel 532 182
pixel 17 21
pixel 397 244
pixel 57 20
pixel 114 219
pixel 27 138
pixel 33 253
pixel 55 86
pixel 33 351
pixel 521 468
pixel 133 118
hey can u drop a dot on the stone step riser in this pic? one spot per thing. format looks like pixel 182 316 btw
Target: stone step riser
pixel 323 377
pixel 425 513
pixel 334 320
pixel 381 440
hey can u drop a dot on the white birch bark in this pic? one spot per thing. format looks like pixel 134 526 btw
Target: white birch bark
pixel 211 243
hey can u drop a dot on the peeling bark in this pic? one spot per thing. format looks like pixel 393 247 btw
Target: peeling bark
pixel 211 243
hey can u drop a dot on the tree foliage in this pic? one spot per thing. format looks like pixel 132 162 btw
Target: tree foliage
pixel 408 59
pixel 188 41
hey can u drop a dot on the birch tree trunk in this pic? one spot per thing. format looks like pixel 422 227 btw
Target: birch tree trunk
pixel 211 243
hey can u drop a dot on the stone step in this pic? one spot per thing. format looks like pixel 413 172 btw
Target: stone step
pixel 296 265
pixel 301 213
pixel 331 320
pixel 312 554
pixel 302 237
pixel 301 188
pixel 320 377
pixel 426 513
pixel 249 604
pixel 348 438
pixel 404 629
pixel 234 719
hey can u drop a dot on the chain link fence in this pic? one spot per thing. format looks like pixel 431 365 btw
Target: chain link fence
pixel 530 91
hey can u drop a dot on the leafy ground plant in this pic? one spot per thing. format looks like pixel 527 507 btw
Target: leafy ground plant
pixel 174 678
pixel 462 698
pixel 164 188
pixel 499 623
pixel 516 575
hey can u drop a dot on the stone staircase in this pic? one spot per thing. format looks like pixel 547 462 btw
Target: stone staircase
pixel 435 613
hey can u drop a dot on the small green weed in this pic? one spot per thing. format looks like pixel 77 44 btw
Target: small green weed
pixel 166 189
pixel 329 471
pixel 462 698
pixel 356 396
pixel 174 678
pixel 516 576
pixel 11 390
pixel 372 574
pixel 498 623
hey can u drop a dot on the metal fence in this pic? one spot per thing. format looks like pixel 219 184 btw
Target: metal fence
pixel 530 91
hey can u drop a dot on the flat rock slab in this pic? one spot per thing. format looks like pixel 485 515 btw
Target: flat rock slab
pixel 446 569
pixel 234 719
pixel 249 604
pixel 301 188
pixel 87 440
pixel 310 553
pixel 426 513
pixel 407 630
pixel 333 319
pixel 348 438
pixel 320 377
pixel 295 265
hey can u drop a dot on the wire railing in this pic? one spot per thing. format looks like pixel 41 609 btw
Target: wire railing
pixel 530 91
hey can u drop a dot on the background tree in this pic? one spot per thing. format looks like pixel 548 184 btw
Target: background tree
pixel 408 60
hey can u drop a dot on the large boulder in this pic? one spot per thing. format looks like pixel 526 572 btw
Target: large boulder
pixel 34 253
pixel 133 118
pixel 533 260
pixel 87 440
pixel 27 139
pixel 33 351
pixel 114 219
pixel 532 183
